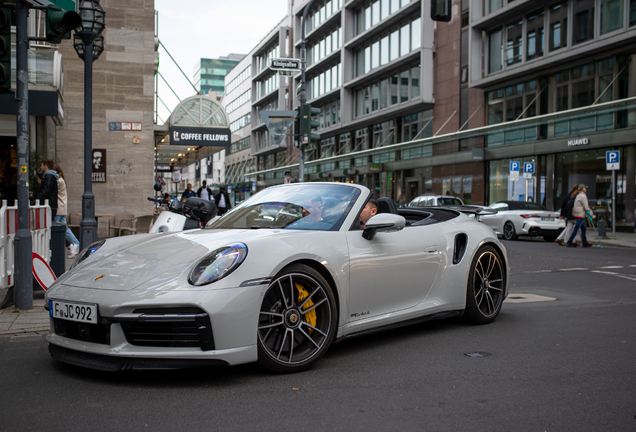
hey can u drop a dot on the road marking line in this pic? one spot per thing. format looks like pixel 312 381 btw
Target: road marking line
pixel 632 265
pixel 573 269
pixel 539 271
pixel 611 267
pixel 616 274
pixel 527 298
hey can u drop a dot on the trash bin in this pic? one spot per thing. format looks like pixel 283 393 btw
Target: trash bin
pixel 58 248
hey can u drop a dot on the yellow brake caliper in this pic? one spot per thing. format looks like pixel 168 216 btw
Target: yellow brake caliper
pixel 310 317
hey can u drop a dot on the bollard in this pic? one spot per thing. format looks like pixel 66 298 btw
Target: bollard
pixel 601 230
pixel 58 248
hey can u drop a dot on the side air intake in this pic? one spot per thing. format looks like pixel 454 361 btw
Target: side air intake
pixel 461 240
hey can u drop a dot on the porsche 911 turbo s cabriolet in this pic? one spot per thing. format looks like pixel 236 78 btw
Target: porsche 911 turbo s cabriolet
pixel 276 280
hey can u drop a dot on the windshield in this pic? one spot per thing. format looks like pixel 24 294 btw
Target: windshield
pixel 314 206
pixel 449 201
pixel 520 205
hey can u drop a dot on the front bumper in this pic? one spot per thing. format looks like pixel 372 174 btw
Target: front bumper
pixel 167 330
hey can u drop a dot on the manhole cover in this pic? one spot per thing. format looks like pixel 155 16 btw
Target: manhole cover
pixel 478 354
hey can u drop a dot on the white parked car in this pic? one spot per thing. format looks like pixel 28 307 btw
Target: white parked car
pixel 275 280
pixel 519 218
pixel 430 200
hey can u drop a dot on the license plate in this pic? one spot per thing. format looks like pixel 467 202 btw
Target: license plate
pixel 548 219
pixel 72 311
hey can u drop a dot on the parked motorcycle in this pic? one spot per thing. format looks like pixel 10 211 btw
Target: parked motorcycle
pixel 194 213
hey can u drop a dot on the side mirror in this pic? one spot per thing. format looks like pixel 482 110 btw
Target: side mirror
pixel 383 222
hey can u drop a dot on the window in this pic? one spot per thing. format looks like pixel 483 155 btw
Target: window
pixel 632 13
pixel 611 15
pixel 514 43
pixel 325 82
pixel 558 26
pixel 534 29
pixel 583 21
pixel 415 82
pixel 417 126
pixel 495 62
pixel 388 47
pixel 508 103
pixel 381 94
pixel 242 99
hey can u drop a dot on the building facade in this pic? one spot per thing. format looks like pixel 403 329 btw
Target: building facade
pixel 411 106
pixel 209 74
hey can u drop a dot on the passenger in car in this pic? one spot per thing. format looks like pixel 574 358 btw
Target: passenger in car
pixel 370 209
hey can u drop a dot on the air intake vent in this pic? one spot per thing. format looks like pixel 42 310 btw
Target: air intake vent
pixel 461 240
pixel 170 328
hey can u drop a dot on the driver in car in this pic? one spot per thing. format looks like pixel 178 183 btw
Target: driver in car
pixel 312 215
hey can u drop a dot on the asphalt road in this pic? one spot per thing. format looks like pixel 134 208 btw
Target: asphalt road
pixel 565 363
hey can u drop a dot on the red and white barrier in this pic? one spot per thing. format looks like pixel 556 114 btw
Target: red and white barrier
pixel 40 219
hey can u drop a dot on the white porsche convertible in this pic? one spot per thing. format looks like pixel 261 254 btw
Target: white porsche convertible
pixel 276 280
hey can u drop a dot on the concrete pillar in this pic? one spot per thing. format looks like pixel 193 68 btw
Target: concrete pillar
pixel 630 186
pixel 549 182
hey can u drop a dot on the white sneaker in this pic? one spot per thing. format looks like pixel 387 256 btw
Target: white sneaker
pixel 73 251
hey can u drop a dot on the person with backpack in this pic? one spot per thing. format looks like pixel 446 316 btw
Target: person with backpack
pixel 566 213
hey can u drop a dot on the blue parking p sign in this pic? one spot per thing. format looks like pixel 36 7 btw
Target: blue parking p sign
pixel 528 170
pixel 613 160
pixel 514 166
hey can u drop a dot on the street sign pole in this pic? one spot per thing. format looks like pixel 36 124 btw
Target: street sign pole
pixel 23 241
pixel 613 162
pixel 303 88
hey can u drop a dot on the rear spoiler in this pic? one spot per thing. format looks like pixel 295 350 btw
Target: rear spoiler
pixel 475 210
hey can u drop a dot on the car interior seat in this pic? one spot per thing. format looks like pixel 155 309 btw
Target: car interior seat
pixel 386 205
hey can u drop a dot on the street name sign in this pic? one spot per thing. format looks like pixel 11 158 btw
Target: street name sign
pixel 528 170
pixel 285 64
pixel 514 170
pixel 613 160
pixel 278 122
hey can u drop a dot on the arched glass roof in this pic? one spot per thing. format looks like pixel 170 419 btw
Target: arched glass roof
pixel 199 111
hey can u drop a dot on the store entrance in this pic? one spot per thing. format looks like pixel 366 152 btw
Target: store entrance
pixel 588 167
pixel 8 169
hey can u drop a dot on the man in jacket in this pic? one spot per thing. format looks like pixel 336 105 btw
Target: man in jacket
pixel 222 201
pixel 580 210
pixel 204 191
pixel 48 188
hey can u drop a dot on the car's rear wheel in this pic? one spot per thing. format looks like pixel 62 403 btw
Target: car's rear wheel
pixel 509 231
pixel 486 282
pixel 297 320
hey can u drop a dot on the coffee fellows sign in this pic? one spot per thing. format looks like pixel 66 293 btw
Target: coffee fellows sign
pixel 197 136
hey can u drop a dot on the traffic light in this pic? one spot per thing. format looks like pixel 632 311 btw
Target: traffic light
pixel 297 127
pixel 5 49
pixel 441 10
pixel 308 123
pixel 59 23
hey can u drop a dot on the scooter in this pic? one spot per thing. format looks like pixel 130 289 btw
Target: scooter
pixel 194 213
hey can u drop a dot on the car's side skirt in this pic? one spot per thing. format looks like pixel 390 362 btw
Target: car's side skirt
pixel 435 316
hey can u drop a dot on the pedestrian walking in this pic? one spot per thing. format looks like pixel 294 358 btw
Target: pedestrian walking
pixel 580 210
pixel 205 192
pixel 222 201
pixel 62 211
pixel 567 216
pixel 48 187
pixel 188 193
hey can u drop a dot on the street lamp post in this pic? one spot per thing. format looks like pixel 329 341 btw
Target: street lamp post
pixel 89 44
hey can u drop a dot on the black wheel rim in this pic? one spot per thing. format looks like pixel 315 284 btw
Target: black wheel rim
pixel 488 283
pixel 295 319
pixel 508 231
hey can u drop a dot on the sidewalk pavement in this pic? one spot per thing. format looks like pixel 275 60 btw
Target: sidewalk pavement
pixel 36 321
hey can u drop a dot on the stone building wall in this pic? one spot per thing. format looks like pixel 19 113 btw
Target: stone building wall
pixel 123 91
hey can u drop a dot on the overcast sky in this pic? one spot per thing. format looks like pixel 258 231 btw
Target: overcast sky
pixel 195 29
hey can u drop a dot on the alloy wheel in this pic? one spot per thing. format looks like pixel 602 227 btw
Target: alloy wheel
pixel 488 284
pixel 296 322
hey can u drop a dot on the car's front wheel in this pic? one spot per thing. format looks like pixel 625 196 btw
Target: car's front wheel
pixel 486 283
pixel 297 320
pixel 509 231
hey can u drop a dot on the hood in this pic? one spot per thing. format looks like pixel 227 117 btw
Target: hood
pixel 127 265
pixel 53 173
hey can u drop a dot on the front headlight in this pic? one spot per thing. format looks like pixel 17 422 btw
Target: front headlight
pixel 90 250
pixel 218 264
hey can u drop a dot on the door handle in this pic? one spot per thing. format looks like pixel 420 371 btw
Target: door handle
pixel 431 249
